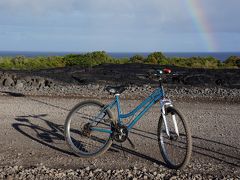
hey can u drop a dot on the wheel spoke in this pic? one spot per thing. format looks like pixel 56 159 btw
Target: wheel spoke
pixel 175 149
pixel 80 137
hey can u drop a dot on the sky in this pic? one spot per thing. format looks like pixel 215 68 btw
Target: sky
pixel 120 25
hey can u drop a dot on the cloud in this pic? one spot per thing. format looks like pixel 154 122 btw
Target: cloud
pixel 116 21
pixel 36 6
pixel 99 14
pixel 129 7
pixel 152 15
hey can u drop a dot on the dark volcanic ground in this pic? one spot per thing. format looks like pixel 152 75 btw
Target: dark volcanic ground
pixel 134 74
pixel 90 82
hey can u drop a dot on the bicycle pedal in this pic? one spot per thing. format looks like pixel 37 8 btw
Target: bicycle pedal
pixel 131 143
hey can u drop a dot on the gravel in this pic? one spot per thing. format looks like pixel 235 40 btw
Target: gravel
pixel 27 121
pixel 42 172
pixel 132 92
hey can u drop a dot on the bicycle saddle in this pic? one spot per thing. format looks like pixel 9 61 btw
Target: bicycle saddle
pixel 115 89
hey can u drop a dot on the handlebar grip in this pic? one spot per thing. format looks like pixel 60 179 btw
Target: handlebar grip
pixel 167 71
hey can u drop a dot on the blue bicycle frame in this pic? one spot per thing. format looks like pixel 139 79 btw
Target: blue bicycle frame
pixel 145 106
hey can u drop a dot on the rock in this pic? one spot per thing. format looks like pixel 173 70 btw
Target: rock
pixel 8 82
pixel 48 83
pixel 92 86
pixel 173 178
pixel 28 80
pixel 144 170
pixel 97 170
pixel 41 82
pixel 91 174
pixel 19 84
pixel 1 81
pixel 35 83
pixel 10 178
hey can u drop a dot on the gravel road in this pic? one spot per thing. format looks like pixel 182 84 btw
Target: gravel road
pixel 32 143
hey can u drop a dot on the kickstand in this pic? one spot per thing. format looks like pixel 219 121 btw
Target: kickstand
pixel 131 143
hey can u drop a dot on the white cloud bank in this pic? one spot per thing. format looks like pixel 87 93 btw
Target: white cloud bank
pixel 118 24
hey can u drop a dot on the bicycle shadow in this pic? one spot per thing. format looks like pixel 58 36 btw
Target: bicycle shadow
pixel 49 136
pixel 206 147
pixel 53 134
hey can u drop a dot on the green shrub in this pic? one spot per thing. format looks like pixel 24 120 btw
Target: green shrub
pixel 6 63
pixel 88 59
pixel 101 57
pixel 137 59
pixel 232 61
pixel 21 62
pixel 156 58
pixel 196 62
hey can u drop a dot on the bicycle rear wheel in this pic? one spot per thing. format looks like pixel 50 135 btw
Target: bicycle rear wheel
pixel 176 149
pixel 80 129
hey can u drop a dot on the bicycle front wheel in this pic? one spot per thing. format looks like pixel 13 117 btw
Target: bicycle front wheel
pixel 175 147
pixel 88 129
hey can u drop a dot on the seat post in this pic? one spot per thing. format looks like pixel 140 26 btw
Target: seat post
pixel 118 106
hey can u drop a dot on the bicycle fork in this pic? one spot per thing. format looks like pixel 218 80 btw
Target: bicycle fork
pixel 164 103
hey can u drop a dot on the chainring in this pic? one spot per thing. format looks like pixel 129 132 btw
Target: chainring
pixel 120 133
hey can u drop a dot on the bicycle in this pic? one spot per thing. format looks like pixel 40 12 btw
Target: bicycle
pixel 90 127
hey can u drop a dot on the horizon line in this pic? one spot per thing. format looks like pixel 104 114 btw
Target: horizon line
pixel 120 51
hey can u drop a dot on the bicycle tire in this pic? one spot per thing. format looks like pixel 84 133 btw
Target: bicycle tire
pixel 163 143
pixel 69 131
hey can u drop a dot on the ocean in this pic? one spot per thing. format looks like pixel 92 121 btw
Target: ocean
pixel 218 55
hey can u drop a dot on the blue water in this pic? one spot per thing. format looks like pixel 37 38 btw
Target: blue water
pixel 218 55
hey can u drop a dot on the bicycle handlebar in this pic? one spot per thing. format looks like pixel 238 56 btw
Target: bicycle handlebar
pixel 160 72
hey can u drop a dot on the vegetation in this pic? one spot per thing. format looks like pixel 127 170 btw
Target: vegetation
pixel 21 62
pixel 101 57
pixel 232 61
pixel 136 59
pixel 157 58
pixel 88 59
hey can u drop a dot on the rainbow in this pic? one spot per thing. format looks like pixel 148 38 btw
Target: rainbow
pixel 204 27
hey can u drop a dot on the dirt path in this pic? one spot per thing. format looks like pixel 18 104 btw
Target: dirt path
pixel 31 134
